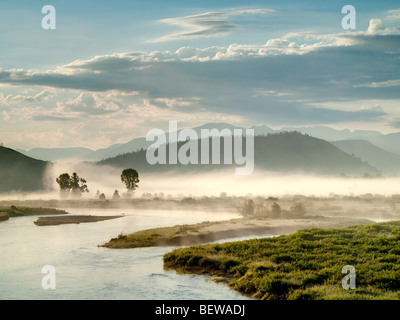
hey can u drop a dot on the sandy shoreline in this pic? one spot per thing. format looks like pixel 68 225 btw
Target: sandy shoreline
pixel 54 221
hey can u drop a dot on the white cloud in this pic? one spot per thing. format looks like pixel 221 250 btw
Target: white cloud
pixel 6 116
pixel 376 108
pixel 376 27
pixel 393 14
pixel 43 95
pixel 208 24
pixel 177 102
pixel 250 11
pixel 382 84
pixel 92 103
pixel 276 82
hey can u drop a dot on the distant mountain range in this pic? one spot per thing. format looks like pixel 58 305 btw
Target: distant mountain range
pixel 389 142
pixel 54 154
pixel 284 152
pixel 386 162
pixel 281 152
pixel 20 173
pixel 379 150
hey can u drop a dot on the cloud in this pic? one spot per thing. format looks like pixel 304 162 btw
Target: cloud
pixel 393 14
pixel 382 84
pixel 209 24
pixel 43 95
pixel 377 36
pixel 51 118
pixel 250 12
pixel 90 103
pixel 376 27
pixel 376 109
pixel 275 82
pixel 177 102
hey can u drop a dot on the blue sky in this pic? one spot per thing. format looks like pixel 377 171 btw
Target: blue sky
pixel 112 70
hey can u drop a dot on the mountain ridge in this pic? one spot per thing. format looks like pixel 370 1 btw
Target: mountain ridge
pixel 387 142
pixel 288 152
pixel 21 173
pixel 386 162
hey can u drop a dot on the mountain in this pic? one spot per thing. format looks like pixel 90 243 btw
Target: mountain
pixel 331 134
pixel 381 159
pixel 283 152
pixel 321 132
pixel 54 154
pixel 141 143
pixel 20 173
pixel 389 142
pixel 119 148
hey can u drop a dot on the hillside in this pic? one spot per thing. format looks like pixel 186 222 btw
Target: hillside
pixel 381 159
pixel 54 154
pixel 387 142
pixel 79 153
pixel 19 172
pixel 284 152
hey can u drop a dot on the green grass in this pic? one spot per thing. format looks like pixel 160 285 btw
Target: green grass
pixel 14 211
pixel 153 237
pixel 304 265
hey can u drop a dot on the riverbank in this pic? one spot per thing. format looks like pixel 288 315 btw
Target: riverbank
pixel 305 265
pixel 184 235
pixel 13 211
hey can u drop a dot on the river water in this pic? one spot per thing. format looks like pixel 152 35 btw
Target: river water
pixel 85 271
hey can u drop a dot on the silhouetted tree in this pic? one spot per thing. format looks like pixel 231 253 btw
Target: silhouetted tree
pixel 64 181
pixel 131 179
pixel 116 195
pixel 72 183
pixel 78 185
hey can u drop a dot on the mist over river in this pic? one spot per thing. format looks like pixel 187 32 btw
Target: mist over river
pixel 86 271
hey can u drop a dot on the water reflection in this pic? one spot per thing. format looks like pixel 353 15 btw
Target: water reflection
pixel 86 271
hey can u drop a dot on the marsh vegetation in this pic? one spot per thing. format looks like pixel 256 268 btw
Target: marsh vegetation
pixel 305 265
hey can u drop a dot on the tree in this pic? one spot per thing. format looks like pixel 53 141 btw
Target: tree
pixel 72 183
pixel 275 210
pixel 102 197
pixel 298 209
pixel 63 182
pixel 131 179
pixel 78 185
pixel 116 195
pixel 248 208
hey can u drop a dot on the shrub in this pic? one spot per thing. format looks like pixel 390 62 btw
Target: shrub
pixel 298 209
pixel 275 210
pixel 248 208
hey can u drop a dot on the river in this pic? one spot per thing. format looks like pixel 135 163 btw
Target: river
pixel 84 271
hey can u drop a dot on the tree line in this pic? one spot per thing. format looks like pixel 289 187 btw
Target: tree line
pixel 76 186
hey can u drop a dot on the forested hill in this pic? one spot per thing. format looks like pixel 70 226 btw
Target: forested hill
pixel 283 152
pixel 19 172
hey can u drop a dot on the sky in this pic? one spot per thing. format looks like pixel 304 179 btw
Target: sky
pixel 113 70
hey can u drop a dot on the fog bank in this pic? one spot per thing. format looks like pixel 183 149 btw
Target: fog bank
pixel 107 180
